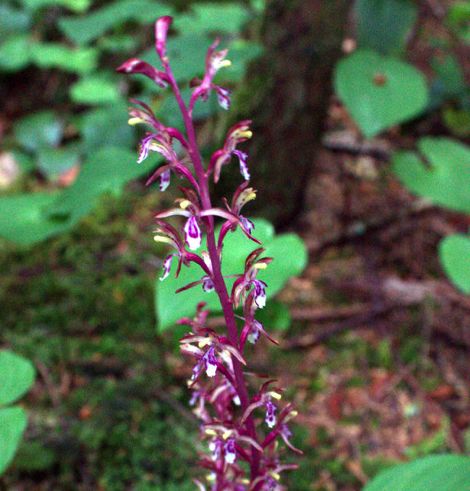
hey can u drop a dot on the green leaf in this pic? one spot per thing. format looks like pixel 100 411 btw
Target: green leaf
pixel 31 223
pixel 213 17
pixel 443 176
pixel 106 170
pixel 55 55
pixel 12 425
pixel 83 30
pixel 95 89
pixel 458 19
pixel 54 161
pixel 105 127
pixel 39 130
pixel 290 258
pixel 13 20
pixel 454 252
pixel 78 6
pixel 379 92
pixel 275 316
pixel 437 472
pixel 383 25
pixel 17 377
pixel 15 53
pixel 39 216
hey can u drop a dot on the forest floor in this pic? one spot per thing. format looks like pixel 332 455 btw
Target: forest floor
pixel 376 358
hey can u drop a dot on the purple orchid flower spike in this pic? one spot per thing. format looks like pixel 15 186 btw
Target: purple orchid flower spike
pixel 243 432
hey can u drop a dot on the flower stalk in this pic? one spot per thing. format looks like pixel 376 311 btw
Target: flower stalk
pixel 241 457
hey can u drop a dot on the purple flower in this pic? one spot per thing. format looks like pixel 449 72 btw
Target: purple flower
pixel 166 267
pixel 246 224
pixel 165 180
pixel 243 158
pixel 238 133
pixel 215 60
pixel 207 284
pixel 260 293
pixel 229 451
pixel 210 362
pixel 270 414
pixel 223 97
pixel 193 234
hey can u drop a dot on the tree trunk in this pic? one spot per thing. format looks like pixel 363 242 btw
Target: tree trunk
pixel 287 95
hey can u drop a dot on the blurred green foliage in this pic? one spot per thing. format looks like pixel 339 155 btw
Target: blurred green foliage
pixel 81 123
pixel 17 378
pixel 439 472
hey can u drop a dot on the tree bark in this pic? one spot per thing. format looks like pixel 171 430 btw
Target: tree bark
pixel 287 95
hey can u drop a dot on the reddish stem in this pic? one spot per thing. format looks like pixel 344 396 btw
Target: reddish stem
pixel 219 283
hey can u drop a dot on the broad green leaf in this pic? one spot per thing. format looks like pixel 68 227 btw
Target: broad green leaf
pixel 105 127
pixel 12 425
pixel 31 223
pixel 39 216
pixel 443 176
pixel 39 130
pixel 210 17
pixel 95 89
pixel 434 473
pixel 73 5
pixel 54 161
pixel 454 252
pixel 17 376
pixel 15 53
pixel 289 255
pixel 383 25
pixel 55 55
pixel 83 30
pixel 13 20
pixel 275 315
pixel 106 170
pixel 379 92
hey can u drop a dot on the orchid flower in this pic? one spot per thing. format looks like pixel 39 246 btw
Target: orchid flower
pixel 242 452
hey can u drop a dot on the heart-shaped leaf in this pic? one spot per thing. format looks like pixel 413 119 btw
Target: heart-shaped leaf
pixel 39 130
pixel 55 161
pixel 31 223
pixel 290 258
pixel 442 174
pixel 17 374
pixel 454 252
pixel 12 425
pixel 433 473
pixel 39 216
pixel 383 25
pixel 379 92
